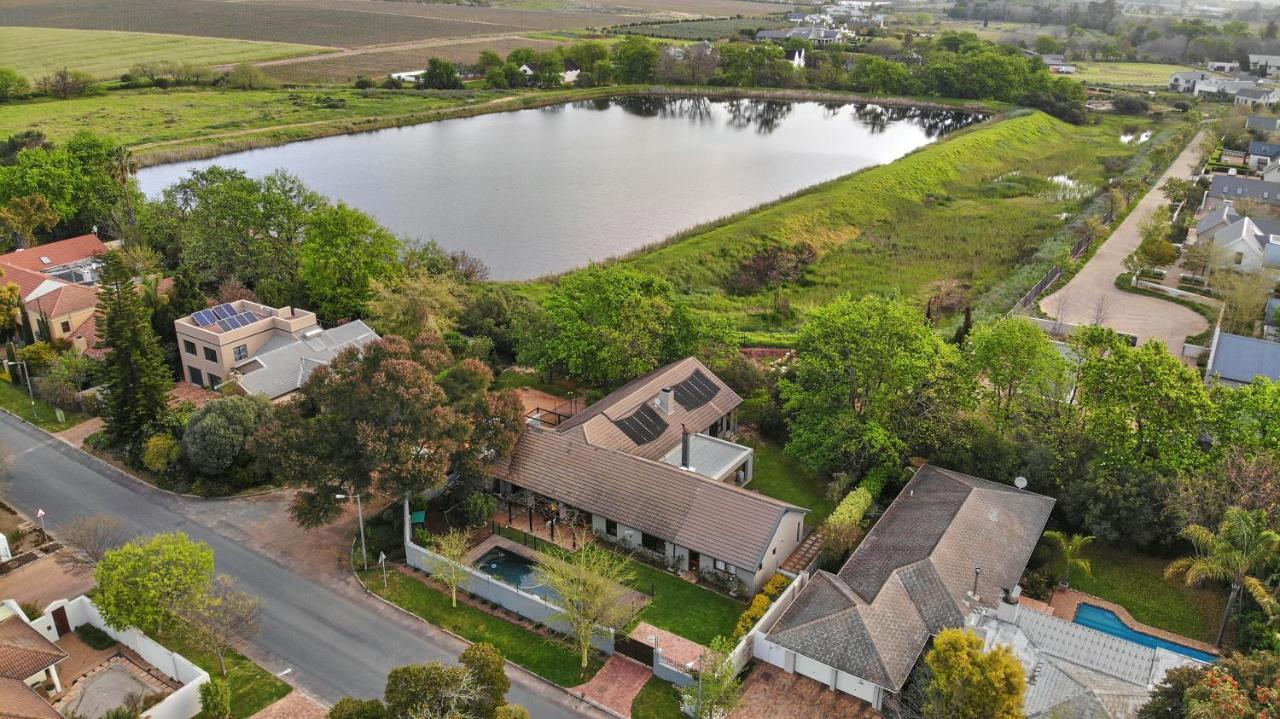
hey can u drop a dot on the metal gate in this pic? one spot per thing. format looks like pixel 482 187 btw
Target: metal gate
pixel 634 649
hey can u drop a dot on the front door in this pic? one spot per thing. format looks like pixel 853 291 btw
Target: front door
pixel 60 621
pixel 694 561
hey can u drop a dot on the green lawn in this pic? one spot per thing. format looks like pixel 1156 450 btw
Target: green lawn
pixel 38 51
pixel 553 660
pixel 1128 73
pixel 252 687
pixel 779 475
pixel 1136 581
pixel 657 700
pixel 16 400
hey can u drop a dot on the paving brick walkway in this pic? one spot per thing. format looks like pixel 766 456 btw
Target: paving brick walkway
pixel 616 685
pixel 804 554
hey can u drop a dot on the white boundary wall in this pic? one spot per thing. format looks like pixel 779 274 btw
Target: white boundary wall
pixel 182 704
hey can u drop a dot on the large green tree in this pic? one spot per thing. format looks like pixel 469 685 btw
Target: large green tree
pixel 1017 364
pixel 218 434
pixel 970 683
pixel 135 378
pixel 143 583
pixel 343 254
pixel 635 59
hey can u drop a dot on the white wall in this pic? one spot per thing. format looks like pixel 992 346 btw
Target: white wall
pixel 781 546
pixel 183 703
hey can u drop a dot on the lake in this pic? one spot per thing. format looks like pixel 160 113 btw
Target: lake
pixel 535 192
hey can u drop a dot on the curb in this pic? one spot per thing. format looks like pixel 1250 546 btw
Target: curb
pixel 468 642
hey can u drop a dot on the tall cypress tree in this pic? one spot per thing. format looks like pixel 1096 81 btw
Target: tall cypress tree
pixel 135 376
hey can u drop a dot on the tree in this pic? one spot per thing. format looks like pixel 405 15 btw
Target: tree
pixel 249 77
pixel 223 616
pixel 1168 700
pixel 1244 296
pixel 430 691
pixel 449 566
pixel 65 84
pixel 1241 685
pixel 861 366
pixel 409 305
pixel 12 84
pixel 717 691
pixel 1246 416
pixel 610 324
pixel 1178 190
pixel 488 668
pixel 215 699
pixel 1241 547
pixel 135 377
pixel 88 539
pixel 635 59
pixel 25 216
pixel 1069 554
pixel 218 434
pixel 440 75
pixel 345 251
pixel 143 583
pixel 591 586
pixel 1241 479
pixel 969 683
pixel 1018 364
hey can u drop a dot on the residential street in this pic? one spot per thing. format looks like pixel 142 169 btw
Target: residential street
pixel 336 640
pixel 1091 296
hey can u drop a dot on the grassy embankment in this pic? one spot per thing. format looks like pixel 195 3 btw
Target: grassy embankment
pixel 15 399
pixel 37 51
pixel 952 219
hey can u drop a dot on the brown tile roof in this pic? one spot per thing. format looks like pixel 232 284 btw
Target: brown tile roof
pixel 58 253
pixel 910 577
pixel 26 280
pixel 19 701
pixel 23 650
pixel 88 331
pixel 63 301
pixel 598 424
pixel 713 518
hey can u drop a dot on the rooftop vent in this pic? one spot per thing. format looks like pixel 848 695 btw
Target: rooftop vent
pixel 45 259
pixel 314 332
pixel 665 400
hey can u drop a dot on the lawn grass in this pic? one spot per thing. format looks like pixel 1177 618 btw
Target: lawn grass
pixel 1136 582
pixel 252 687
pixel 43 415
pixel 38 51
pixel 657 700
pixel 1145 74
pixel 778 475
pixel 551 659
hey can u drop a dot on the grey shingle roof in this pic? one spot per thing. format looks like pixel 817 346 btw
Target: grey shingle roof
pixel 713 518
pixel 1266 149
pixel 910 576
pixel 1237 358
pixel 284 369
pixel 1222 215
pixel 1235 188
pixel 1263 122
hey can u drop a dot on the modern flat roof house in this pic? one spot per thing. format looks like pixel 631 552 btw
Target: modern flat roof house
pixel 650 467
pixel 946 549
pixel 263 350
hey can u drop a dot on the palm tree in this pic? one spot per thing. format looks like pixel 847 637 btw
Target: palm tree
pixel 1242 546
pixel 1070 553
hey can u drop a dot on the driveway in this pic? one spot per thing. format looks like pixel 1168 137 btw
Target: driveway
pixel 1091 296
pixel 331 638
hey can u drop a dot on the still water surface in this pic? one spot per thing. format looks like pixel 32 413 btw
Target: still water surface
pixel 541 191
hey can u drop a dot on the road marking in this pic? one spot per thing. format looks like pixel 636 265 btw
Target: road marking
pixel 286 671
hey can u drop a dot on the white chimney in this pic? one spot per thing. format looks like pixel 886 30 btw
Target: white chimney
pixel 665 400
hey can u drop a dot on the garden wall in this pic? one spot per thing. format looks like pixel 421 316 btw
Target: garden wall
pixel 504 595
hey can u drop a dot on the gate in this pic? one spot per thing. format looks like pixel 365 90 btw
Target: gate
pixel 633 649
pixel 60 622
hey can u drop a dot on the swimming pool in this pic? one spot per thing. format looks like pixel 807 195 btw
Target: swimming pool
pixel 514 569
pixel 1105 620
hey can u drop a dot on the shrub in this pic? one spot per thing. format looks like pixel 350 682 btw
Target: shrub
pixel 776 585
pixel 218 433
pixel 249 77
pixel 94 637
pixel 1129 105
pixel 875 480
pixel 31 609
pixel 1182 106
pixel 844 524
pixel 479 507
pixel 759 605
pixel 38 356
pixel 392 83
pixel 771 266
pixel 215 699
pixel 160 453
pixel 364 83
pixel 98 440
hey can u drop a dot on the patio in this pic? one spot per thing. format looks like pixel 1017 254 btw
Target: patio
pixel 771 693
pixel 96 681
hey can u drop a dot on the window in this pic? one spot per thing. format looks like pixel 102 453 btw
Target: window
pixel 210 355
pixel 723 566
pixel 66 327
pixel 196 377
pixel 214 381
pixel 610 527
pixel 653 544
pixel 241 352
pixel 189 347
pixel 1239 258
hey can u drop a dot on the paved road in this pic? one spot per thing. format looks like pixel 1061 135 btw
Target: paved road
pixel 336 641
pixel 1091 296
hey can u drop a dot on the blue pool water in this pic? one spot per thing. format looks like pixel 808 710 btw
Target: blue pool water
pixel 1105 620
pixel 514 569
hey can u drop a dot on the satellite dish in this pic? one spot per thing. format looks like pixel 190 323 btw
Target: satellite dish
pixel 1020 482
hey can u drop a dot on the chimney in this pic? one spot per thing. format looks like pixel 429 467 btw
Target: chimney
pixel 684 448
pixel 977 572
pixel 1007 610
pixel 666 396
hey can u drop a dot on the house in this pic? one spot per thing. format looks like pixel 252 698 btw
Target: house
pixel 1234 187
pixel 1236 360
pixel 1257 96
pixel 27 660
pixel 651 468
pixel 1073 670
pixel 1058 64
pixel 263 350
pixel 816 35
pixel 1223 86
pixel 1186 81
pixel 1263 123
pixel 1271 172
pixel 1263 65
pixel 1248 244
pixel 948 547
pixel 1224 65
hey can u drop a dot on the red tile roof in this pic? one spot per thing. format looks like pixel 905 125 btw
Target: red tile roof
pixel 58 253
pixel 64 301
pixel 26 280
pixel 24 651
pixel 19 701
pixel 88 331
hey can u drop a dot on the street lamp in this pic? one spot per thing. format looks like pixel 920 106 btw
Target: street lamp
pixel 364 551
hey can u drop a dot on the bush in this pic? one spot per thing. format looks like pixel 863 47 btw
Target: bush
pixel 1182 106
pixel 1129 105
pixel 218 434
pixel 845 522
pixel 94 637
pixel 215 699
pixel 38 356
pixel 479 508
pixel 1037 584
pixel 772 266
pixel 248 77
pixel 160 452
pixel 776 585
pixel 392 83
pixel 759 605
pixel 98 440
pixel 31 609
pixel 875 480
pixel 364 83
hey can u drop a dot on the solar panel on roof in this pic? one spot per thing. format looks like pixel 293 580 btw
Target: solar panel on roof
pixel 696 390
pixel 204 318
pixel 224 311
pixel 224 325
pixel 643 425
